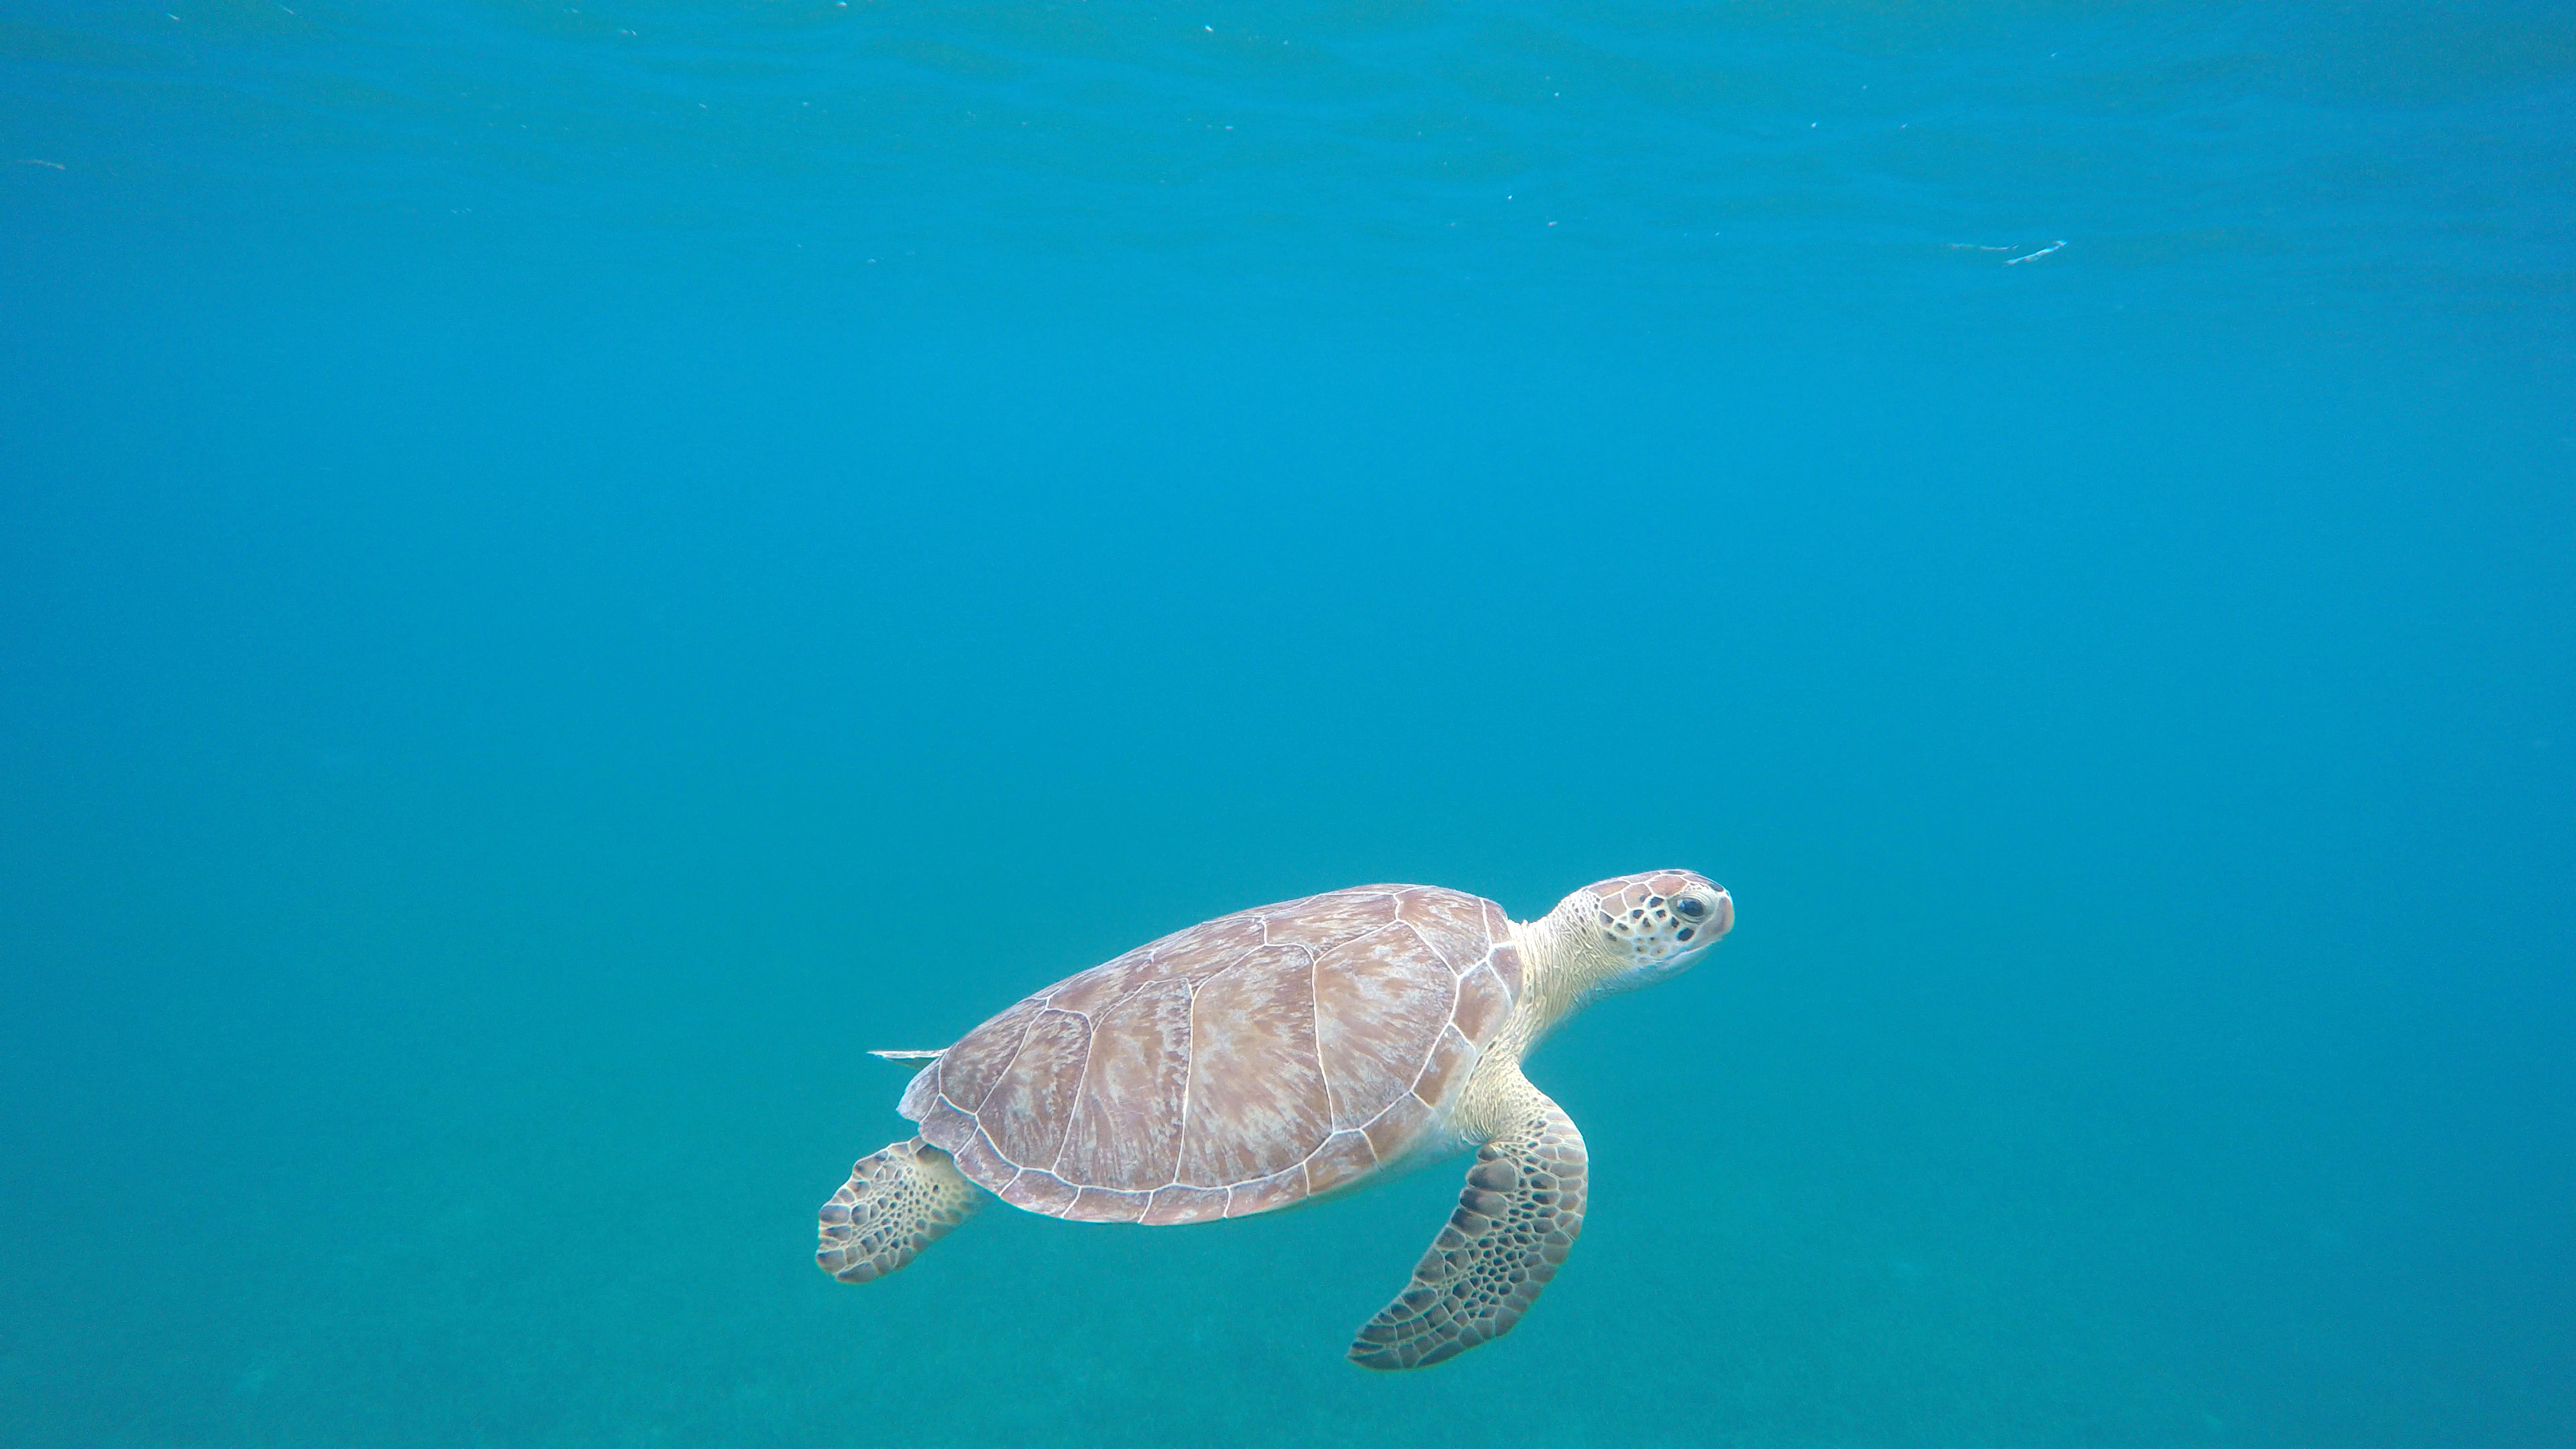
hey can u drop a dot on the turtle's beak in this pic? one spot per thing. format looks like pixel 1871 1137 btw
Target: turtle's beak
pixel 1720 920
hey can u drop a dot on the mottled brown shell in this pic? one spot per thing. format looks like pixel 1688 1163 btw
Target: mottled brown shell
pixel 1232 1068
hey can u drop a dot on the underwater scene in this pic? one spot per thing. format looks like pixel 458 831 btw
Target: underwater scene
pixel 572 570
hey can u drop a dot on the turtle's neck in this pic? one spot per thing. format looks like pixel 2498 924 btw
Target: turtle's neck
pixel 1564 968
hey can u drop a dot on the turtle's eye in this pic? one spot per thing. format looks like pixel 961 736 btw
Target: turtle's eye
pixel 1689 908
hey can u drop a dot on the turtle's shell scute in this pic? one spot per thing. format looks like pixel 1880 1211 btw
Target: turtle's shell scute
pixel 1237 1066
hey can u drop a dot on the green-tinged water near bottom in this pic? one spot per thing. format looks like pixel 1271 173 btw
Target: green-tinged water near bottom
pixel 566 570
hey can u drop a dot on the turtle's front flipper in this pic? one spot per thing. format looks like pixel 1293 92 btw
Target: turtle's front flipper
pixel 899 1200
pixel 1516 1219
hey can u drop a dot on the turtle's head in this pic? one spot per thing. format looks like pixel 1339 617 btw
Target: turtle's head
pixel 1649 926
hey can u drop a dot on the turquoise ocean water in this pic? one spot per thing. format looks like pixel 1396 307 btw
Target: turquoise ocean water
pixel 566 568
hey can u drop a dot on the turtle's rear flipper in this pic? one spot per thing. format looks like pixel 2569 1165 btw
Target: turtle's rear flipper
pixel 899 1200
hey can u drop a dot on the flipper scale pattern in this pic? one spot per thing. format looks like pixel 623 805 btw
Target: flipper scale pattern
pixel 1517 1217
pixel 899 1200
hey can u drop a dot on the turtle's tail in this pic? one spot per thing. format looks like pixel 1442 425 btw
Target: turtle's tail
pixel 899 1200
pixel 914 1060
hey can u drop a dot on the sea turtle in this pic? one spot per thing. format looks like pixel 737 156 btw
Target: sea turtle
pixel 1281 1054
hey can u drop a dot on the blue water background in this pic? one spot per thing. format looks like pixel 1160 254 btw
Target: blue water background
pixel 565 569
